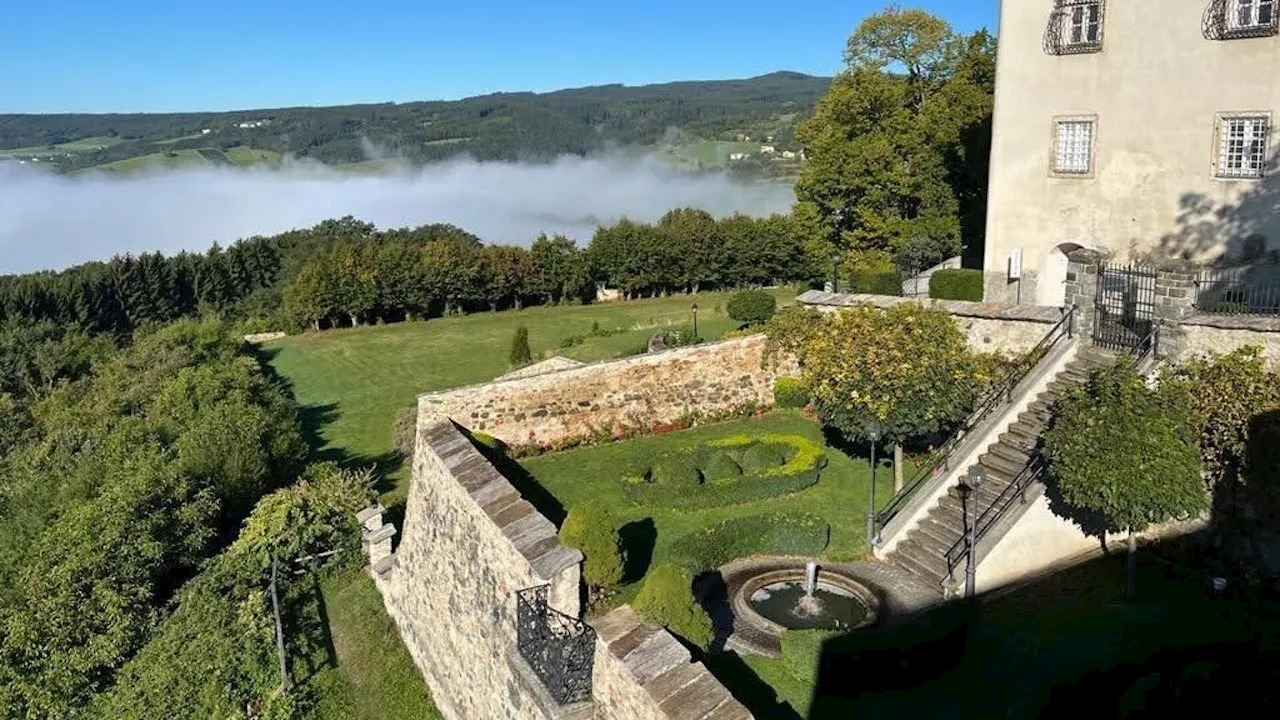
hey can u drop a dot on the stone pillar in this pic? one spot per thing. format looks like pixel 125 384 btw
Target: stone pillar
pixel 376 539
pixel 1082 288
pixel 1175 295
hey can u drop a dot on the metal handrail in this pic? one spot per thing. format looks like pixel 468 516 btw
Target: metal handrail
pixel 996 398
pixel 560 649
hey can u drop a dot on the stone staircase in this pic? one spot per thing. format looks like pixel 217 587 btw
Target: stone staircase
pixel 923 551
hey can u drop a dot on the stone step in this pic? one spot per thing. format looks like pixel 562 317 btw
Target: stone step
pixel 1004 467
pixel 943 534
pixel 928 546
pixel 925 564
pixel 1026 429
pixel 1022 442
pixel 1012 453
pixel 989 491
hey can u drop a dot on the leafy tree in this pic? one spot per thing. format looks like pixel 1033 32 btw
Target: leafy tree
pixel 666 599
pixel 1127 452
pixel 751 307
pixel 906 368
pixel 693 236
pixel 452 269
pixel 591 528
pixel 560 269
pixel 508 273
pixel 520 354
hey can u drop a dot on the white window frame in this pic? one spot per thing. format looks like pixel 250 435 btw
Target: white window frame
pixel 1254 10
pixel 1252 132
pixel 1071 23
pixel 1063 161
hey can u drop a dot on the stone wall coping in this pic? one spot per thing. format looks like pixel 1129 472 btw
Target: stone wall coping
pixel 555 364
pixel 994 311
pixel 660 358
pixel 680 687
pixel 1257 323
pixel 533 535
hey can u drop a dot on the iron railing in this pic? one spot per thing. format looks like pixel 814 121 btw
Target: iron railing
pixel 1232 292
pixel 999 396
pixel 560 649
pixel 1075 27
pixel 1125 306
pixel 1232 20
pixel 1030 473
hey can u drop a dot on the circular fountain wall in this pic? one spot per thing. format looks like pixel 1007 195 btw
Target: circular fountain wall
pixel 779 601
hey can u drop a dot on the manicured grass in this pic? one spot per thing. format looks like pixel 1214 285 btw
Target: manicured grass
pixel 352 381
pixel 714 152
pixel 173 159
pixel 244 155
pixel 840 496
pixel 375 678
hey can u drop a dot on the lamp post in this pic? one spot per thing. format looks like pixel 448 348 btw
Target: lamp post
pixel 695 321
pixel 969 493
pixel 838 218
pixel 873 436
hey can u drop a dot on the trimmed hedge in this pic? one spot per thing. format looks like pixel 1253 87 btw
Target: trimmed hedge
pixel 751 307
pixel 790 393
pixel 875 282
pixel 667 600
pixel 956 284
pixel 590 527
pixel 719 468
pixel 771 465
pixel 766 534
pixel 802 652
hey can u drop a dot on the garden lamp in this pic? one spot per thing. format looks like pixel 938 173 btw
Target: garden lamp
pixel 695 321
pixel 974 479
pixel 873 431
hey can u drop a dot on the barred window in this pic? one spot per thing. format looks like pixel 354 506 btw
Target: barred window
pixel 1249 14
pixel 1074 146
pixel 1084 23
pixel 1242 147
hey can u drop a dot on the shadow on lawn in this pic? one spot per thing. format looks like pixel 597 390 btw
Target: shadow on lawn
pixel 638 538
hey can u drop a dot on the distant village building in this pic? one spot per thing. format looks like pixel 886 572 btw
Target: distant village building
pixel 788 154
pixel 1132 130
pixel 253 124
pixel 767 149
pixel 737 156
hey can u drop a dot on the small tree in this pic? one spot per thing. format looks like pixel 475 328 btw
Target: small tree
pixel 520 352
pixel 1127 452
pixel 590 527
pixel 667 600
pixel 752 307
pixel 906 368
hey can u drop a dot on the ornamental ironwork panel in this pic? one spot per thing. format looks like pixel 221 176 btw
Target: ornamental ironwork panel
pixel 1242 291
pixel 1237 19
pixel 1125 307
pixel 1075 27
pixel 560 649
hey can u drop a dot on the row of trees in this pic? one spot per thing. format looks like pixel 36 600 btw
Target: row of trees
pixel 403 278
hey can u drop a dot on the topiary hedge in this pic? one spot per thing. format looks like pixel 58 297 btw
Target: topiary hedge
pixel 667 600
pixel 874 282
pixel 802 652
pixel 590 527
pixel 790 393
pixel 956 284
pixel 766 534
pixel 770 464
pixel 752 307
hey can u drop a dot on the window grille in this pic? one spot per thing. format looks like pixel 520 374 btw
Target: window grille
pixel 1074 147
pixel 1242 147
pixel 1235 19
pixel 1075 26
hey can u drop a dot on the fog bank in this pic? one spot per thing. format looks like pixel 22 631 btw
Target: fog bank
pixel 52 221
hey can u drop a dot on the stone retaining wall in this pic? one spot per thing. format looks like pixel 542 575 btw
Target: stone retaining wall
pixel 470 542
pixel 1224 333
pixel 640 391
pixel 988 327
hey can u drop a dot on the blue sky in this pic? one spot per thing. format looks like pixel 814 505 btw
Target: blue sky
pixel 150 56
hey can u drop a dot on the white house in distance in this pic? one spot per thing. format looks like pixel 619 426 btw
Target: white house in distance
pixel 1143 129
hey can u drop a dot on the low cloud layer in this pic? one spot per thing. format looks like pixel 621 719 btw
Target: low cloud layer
pixel 51 221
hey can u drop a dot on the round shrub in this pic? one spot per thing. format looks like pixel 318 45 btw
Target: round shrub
pixel 752 307
pixel 678 470
pixel 667 600
pixel 767 534
pixel 719 468
pixel 790 393
pixel 956 284
pixel 590 527
pixel 761 458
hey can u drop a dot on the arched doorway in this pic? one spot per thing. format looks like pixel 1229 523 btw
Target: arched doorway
pixel 1051 287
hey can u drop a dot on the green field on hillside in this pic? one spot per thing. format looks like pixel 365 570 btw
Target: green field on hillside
pixel 83 145
pixel 352 381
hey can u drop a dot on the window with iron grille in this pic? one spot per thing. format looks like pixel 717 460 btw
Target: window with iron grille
pixel 1076 27
pixel 1251 14
pixel 1242 146
pixel 1073 145
pixel 1239 19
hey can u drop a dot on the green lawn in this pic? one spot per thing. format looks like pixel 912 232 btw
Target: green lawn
pixel 244 155
pixel 352 381
pixel 171 159
pixel 83 145
pixel 713 152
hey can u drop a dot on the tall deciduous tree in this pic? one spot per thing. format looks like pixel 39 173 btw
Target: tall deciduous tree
pixel 905 368
pixel 560 268
pixel 1127 452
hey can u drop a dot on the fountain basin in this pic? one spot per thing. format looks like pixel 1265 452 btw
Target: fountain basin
pixel 775 601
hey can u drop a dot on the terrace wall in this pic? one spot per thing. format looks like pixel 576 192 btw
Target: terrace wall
pixel 640 391
pixel 470 542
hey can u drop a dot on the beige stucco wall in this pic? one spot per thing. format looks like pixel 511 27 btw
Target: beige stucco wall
pixel 1224 334
pixel 1156 88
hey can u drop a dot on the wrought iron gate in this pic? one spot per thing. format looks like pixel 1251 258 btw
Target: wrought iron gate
pixel 1125 307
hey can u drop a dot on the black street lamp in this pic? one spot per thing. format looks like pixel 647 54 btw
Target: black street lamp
pixel 695 321
pixel 969 496
pixel 838 218
pixel 873 436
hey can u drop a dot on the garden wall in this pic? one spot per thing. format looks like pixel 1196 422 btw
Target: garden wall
pixel 988 327
pixel 1224 333
pixel 640 391
pixel 469 543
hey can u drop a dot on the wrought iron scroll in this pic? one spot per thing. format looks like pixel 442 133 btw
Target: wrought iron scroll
pixel 1058 38
pixel 560 649
pixel 1222 19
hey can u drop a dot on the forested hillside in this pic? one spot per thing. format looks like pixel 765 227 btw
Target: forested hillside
pixel 505 126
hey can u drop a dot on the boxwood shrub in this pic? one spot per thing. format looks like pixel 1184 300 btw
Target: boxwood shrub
pixel 751 307
pixel 666 599
pixel 956 284
pixel 790 393
pixel 874 282
pixel 765 534
pixel 772 465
